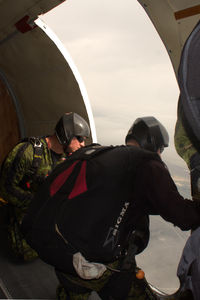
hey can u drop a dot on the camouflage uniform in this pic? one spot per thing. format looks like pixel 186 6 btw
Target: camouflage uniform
pixel 17 187
pixel 185 147
pixel 183 144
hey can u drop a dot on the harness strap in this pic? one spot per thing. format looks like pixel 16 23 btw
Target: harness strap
pixel 37 155
pixel 38 150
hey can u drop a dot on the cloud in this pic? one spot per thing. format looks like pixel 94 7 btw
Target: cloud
pixel 92 16
pixel 123 63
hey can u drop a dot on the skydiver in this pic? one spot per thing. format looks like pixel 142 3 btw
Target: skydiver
pixel 26 167
pixel 115 190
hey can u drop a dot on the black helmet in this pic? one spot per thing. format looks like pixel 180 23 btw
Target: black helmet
pixel 149 133
pixel 69 126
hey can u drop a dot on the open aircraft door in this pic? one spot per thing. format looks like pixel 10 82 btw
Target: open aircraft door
pixel 177 23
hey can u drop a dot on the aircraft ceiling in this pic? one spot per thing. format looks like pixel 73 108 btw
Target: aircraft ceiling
pixel 174 20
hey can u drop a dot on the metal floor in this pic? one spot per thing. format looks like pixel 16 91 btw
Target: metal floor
pixel 35 280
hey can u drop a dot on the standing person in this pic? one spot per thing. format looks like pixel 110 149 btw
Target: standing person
pixel 149 134
pixel 94 203
pixel 28 164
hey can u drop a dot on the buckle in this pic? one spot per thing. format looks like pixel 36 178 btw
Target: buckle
pixel 36 142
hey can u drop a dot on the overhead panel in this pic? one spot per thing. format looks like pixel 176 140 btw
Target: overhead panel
pixel 174 20
pixel 12 12
pixel 187 12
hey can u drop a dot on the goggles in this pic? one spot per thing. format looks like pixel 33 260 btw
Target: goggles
pixel 162 149
pixel 80 138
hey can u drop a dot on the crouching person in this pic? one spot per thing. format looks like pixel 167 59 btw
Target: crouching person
pixel 90 217
pixel 27 166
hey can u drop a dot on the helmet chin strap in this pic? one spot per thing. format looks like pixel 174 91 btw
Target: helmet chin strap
pixel 65 149
pixel 58 138
pixel 66 145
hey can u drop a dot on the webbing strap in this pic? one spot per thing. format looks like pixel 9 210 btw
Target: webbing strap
pixel 37 155
pixel 37 158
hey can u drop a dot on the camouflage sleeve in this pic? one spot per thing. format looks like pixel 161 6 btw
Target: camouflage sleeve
pixel 183 144
pixel 16 165
pixel 186 149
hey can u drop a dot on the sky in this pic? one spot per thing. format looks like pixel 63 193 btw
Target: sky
pixel 127 74
pixel 124 66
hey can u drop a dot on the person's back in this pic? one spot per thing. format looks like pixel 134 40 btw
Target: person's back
pixel 89 208
pixel 107 182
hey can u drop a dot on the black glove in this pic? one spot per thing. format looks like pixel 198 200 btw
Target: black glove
pixel 140 237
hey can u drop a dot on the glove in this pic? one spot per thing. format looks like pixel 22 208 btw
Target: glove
pixel 141 235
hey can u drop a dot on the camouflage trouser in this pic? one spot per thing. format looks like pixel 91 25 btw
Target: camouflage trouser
pixel 139 289
pixel 19 246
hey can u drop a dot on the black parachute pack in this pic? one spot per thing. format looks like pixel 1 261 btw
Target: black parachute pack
pixel 41 225
pixel 83 206
pixel 64 218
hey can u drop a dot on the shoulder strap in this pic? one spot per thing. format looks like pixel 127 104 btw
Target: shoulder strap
pixel 89 152
pixel 37 155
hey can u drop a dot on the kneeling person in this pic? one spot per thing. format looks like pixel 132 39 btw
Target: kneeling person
pixel 26 168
